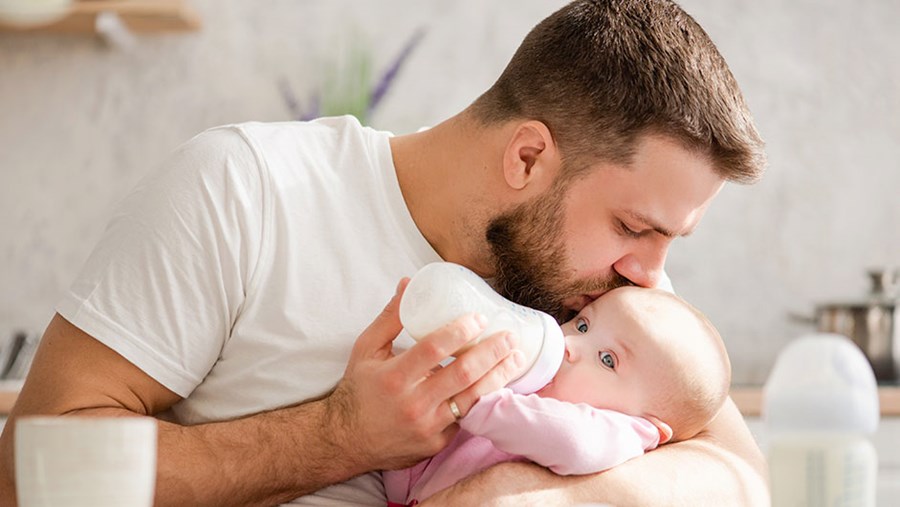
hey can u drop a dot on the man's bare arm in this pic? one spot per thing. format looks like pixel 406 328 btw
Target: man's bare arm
pixel 382 414
pixel 721 466
pixel 74 374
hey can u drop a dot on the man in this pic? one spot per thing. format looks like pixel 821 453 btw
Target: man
pixel 229 291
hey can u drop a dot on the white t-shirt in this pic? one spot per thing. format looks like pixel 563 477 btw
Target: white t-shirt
pixel 240 275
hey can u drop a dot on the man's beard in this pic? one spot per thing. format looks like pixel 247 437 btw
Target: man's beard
pixel 530 257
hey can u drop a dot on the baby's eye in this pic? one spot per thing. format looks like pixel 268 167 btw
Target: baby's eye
pixel 608 360
pixel 581 325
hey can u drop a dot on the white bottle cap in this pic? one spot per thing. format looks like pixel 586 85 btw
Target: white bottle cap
pixel 821 382
pixel 547 362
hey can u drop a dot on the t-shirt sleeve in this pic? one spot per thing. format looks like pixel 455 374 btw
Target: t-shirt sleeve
pixel 568 438
pixel 166 282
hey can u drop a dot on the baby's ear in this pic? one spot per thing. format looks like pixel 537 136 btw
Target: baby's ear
pixel 665 431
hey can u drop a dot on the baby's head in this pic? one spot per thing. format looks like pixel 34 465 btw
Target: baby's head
pixel 648 353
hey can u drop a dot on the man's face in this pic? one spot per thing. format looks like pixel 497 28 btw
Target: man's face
pixel 607 228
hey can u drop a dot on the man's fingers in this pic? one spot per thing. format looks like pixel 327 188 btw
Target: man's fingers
pixel 421 359
pixel 479 365
pixel 385 328
pixel 500 375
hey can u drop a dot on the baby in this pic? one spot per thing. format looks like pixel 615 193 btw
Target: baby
pixel 641 368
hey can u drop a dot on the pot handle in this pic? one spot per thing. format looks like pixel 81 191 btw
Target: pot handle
pixel 884 282
pixel 802 318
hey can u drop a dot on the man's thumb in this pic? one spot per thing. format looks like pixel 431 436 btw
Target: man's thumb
pixel 386 326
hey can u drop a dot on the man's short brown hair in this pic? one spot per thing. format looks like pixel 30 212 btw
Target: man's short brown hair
pixel 602 73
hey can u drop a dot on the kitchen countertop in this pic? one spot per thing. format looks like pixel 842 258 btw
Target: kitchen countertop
pixel 747 398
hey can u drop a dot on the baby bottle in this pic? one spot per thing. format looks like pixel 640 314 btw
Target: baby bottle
pixel 442 291
pixel 820 405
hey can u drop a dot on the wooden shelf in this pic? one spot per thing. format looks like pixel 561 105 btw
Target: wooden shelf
pixel 140 16
pixel 749 400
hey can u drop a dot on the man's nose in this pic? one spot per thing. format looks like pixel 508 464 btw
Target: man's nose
pixel 643 268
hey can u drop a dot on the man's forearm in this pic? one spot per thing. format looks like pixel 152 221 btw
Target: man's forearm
pixel 247 461
pixel 720 467
pixel 264 459
pixel 675 475
pixel 261 459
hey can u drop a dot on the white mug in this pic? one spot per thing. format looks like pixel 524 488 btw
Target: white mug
pixel 85 461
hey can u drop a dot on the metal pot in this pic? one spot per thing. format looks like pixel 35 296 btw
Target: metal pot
pixel 870 323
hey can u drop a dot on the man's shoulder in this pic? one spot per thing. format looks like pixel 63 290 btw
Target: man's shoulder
pixel 294 133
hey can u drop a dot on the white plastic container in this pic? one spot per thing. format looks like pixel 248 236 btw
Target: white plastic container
pixel 820 405
pixel 441 292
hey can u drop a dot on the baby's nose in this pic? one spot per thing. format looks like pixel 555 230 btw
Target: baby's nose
pixel 571 354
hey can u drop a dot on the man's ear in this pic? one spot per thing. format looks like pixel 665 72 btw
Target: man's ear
pixel 665 431
pixel 531 156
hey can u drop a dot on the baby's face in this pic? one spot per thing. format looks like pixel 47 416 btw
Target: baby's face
pixel 612 357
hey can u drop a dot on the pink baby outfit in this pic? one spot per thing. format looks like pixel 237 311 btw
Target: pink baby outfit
pixel 568 438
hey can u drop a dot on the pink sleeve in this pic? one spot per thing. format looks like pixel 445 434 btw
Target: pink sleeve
pixel 568 438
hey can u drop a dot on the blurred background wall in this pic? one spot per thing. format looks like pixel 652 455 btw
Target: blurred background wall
pixel 81 122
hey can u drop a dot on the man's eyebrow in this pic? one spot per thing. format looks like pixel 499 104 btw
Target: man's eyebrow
pixel 653 224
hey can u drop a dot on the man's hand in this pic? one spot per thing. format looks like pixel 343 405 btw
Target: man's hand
pixel 393 410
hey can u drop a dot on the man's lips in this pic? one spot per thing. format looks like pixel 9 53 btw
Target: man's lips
pixel 577 303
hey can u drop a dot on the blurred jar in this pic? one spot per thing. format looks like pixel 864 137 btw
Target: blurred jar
pixel 820 406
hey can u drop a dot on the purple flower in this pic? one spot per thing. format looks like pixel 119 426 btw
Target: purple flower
pixel 313 107
pixel 384 84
